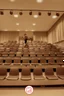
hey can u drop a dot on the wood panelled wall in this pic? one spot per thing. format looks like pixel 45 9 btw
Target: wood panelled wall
pixel 56 33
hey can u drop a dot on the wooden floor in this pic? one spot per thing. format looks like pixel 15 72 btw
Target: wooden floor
pixel 40 91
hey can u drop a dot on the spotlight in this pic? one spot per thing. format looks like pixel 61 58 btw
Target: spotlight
pixel 1 12
pixel 39 13
pixel 30 13
pixel 11 13
pixel 20 13
pixel 49 13
pixel 57 14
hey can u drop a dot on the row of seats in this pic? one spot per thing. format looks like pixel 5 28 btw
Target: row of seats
pixel 30 54
pixel 38 74
pixel 33 61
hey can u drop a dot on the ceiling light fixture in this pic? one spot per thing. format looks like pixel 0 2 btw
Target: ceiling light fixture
pixel 1 13
pixel 17 23
pixel 39 13
pixel 11 12
pixel 32 30
pixel 39 1
pixel 5 29
pixel 54 16
pixel 30 13
pixel 18 30
pixel 57 14
pixel 16 15
pixel 12 0
pixel 26 30
pixel 34 24
pixel 20 13
pixel 35 16
pixel 49 13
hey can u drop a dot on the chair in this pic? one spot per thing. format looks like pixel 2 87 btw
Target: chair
pixel 49 73
pixel 37 73
pixel 8 61
pixel 17 61
pixel 51 61
pixel 32 54
pixel 18 54
pixel 5 54
pixel 60 61
pixel 11 54
pixel 34 61
pixel 26 54
pixel 25 62
pixel 43 61
pixel 60 72
pixel 3 73
pixel 39 54
pixel 14 74
pixel 26 73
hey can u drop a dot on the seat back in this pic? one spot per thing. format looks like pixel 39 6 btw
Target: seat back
pixel 3 71
pixel 37 71
pixel 49 71
pixel 14 71
pixel 26 71
pixel 60 70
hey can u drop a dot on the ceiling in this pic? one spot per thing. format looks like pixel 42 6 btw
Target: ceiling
pixel 43 22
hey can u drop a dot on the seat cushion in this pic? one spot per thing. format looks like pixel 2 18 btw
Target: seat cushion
pixel 12 78
pixel 25 77
pixel 51 77
pixel 38 77
pixel 2 77
pixel 61 77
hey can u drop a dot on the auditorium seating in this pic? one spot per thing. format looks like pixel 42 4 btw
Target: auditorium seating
pixel 36 56
pixel 50 74
pixel 14 74
pixel 37 73
pixel 25 74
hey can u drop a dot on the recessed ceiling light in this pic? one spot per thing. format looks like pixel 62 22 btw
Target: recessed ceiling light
pixel 16 15
pixel 54 16
pixel 17 23
pixel 26 30
pixel 12 0
pixel 35 16
pixel 32 30
pixel 39 1
pixel 5 29
pixel 18 30
pixel 34 24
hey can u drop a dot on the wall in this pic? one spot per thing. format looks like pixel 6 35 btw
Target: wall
pixel 6 36
pixel 56 33
pixel 40 36
pixel 29 34
pixel 12 36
